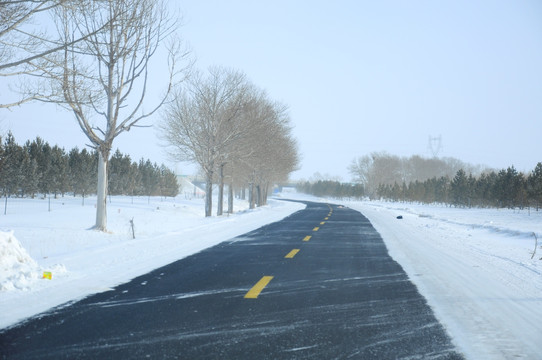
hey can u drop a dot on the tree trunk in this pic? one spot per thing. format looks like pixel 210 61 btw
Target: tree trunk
pixel 209 194
pixel 101 205
pixel 230 198
pixel 220 203
pixel 265 194
pixel 258 196
pixel 251 196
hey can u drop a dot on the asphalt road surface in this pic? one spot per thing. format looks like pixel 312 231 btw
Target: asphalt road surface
pixel 317 285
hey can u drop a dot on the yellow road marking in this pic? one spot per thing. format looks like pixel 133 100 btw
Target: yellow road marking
pixel 315 229
pixel 257 289
pixel 322 223
pixel 292 253
pixel 307 238
pixel 326 218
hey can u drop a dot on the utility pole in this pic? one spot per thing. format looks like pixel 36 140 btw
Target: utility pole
pixel 435 145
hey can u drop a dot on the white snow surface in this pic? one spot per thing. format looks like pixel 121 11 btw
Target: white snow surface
pixel 475 270
pixel 84 262
pixel 473 266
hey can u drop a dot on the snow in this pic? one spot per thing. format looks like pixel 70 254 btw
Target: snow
pixel 473 266
pixel 18 268
pixel 82 262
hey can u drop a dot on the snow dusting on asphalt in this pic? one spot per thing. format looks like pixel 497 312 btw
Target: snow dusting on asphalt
pixel 474 266
pixel 34 240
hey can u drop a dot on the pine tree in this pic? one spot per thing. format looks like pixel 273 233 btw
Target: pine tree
pixel 459 188
pixel 168 182
pixel 58 171
pixel 535 185
pixel 12 177
pixel 30 178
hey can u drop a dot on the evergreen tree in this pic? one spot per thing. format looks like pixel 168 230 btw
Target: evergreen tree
pixel 41 152
pixel 535 185
pixel 119 174
pixel 150 184
pixel 12 177
pixel 82 168
pixel 459 188
pixel 58 171
pixel 168 182
pixel 30 178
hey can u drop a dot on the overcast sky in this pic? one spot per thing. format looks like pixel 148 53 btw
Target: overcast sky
pixel 365 76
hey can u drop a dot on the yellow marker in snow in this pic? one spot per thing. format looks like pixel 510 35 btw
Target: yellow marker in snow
pixel 47 275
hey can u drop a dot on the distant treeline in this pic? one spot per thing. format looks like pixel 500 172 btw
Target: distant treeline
pixel 37 168
pixel 333 189
pixel 505 188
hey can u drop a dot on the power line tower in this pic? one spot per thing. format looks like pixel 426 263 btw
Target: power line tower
pixel 435 145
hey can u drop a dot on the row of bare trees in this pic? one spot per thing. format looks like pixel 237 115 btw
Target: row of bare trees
pixel 233 131
pixel 94 59
pixel 382 169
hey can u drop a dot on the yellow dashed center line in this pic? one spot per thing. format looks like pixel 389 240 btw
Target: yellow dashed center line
pixel 257 289
pixel 291 254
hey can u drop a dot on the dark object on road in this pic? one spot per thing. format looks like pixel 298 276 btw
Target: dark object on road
pixel 400 217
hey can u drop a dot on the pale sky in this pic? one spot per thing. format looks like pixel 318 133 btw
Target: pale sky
pixel 364 76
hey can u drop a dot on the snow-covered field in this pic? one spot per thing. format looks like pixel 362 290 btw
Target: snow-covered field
pixel 474 266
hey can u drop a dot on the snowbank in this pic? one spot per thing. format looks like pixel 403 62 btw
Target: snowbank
pixel 17 269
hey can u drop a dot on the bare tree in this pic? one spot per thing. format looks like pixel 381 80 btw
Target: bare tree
pixel 20 46
pixel 273 154
pixel 230 128
pixel 202 124
pixel 26 50
pixel 103 78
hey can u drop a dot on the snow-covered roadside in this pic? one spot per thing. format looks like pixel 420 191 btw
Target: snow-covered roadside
pixel 84 262
pixel 474 267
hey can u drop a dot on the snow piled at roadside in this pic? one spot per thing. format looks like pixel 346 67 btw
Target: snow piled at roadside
pixel 474 267
pixel 17 269
pixel 84 262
